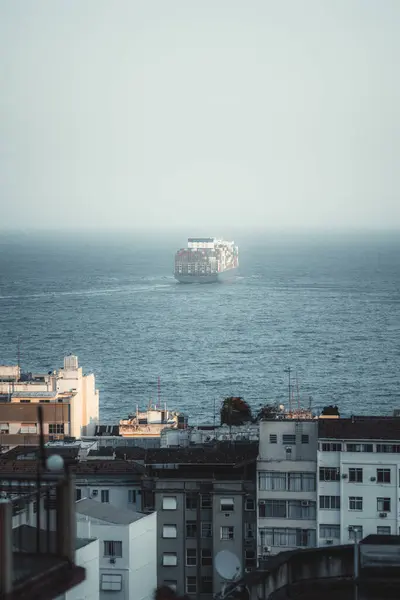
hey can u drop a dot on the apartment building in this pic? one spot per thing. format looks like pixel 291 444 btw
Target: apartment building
pixel 69 400
pixel 286 486
pixel 358 464
pixel 205 501
pixel 128 554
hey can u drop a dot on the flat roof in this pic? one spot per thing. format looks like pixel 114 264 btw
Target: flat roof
pixel 107 512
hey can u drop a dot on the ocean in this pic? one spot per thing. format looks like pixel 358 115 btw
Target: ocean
pixel 328 306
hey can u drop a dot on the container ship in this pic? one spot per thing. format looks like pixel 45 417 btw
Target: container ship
pixel 206 260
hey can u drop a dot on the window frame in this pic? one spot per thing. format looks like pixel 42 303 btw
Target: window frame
pixel 249 499
pixel 173 527
pixel 166 498
pixel 169 555
pixel 206 561
pixel 191 587
pixel 115 575
pixel 356 503
pixel 356 475
pixel 230 534
pixel 191 561
pixel 188 525
pixel 383 472
pixel 209 528
pixel 206 505
pixel 105 494
pixel 384 501
pixel 117 545
pixel 227 504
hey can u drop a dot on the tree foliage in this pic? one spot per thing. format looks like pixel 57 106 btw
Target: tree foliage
pixel 235 411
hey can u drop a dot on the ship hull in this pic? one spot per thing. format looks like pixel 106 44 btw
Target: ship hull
pixel 215 278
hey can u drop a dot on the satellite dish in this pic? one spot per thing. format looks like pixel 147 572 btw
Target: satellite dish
pixel 227 565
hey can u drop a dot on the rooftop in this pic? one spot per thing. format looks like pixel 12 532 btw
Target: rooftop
pixel 221 453
pixel 107 512
pixel 25 540
pixel 360 428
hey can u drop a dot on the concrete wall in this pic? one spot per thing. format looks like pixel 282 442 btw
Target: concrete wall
pixel 88 558
pixel 118 492
pixel 143 557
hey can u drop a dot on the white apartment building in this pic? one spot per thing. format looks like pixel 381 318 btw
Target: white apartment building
pixel 86 556
pixel 69 400
pixel 128 548
pixel 286 485
pixel 358 464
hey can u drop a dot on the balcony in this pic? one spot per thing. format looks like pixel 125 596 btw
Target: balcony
pixel 37 535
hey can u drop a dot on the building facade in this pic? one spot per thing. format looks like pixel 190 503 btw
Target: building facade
pixel 69 400
pixel 286 486
pixel 127 547
pixel 358 464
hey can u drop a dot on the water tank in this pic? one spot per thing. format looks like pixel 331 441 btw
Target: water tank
pixel 71 363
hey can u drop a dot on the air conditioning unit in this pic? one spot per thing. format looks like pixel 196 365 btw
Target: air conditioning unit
pixel 344 476
pixel 382 515
pixel 266 550
pixel 305 503
pixel 112 561
pixel 94 493
pixel 329 542
pixel 372 478
pixel 247 570
pixel 262 502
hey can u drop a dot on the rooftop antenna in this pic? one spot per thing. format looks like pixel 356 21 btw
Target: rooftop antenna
pixel 288 371
pixel 298 394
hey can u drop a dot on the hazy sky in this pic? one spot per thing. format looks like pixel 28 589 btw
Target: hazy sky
pixel 199 113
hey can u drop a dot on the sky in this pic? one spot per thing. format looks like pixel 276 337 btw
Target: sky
pixel 199 114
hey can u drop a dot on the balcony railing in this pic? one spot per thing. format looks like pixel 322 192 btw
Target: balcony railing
pixel 37 536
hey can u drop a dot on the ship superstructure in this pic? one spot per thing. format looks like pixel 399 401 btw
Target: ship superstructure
pixel 206 260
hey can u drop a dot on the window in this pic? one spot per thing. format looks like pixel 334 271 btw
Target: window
pixel 56 428
pixel 206 529
pixel 226 504
pixel 249 504
pixel 305 439
pixel 289 482
pixel 132 496
pixel 329 531
pixel 250 558
pixel 390 448
pixel 105 496
pixel 206 557
pixel 359 447
pixel 171 583
pixel 288 439
pixel 227 533
pixel 170 559
pixel 191 529
pixel 113 549
pixel 356 475
pixel 250 531
pixel 355 532
pixel 169 531
pixel 383 504
pixel 191 585
pixel 191 557
pixel 78 493
pixel 329 474
pixel 383 475
pixel 111 582
pixel 287 537
pixel 287 509
pixel 28 428
pixel 206 585
pixel 273 438
pixel 275 508
pixel 206 501
pixel 329 502
pixel 383 530
pixel 355 503
pixel 169 503
pixel 331 447
pixel 191 501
